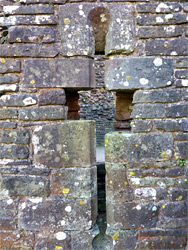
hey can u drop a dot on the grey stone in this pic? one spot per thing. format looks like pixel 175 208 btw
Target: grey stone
pixel 8 113
pixel 135 73
pixel 181 62
pixel 25 185
pixel 19 100
pixel 65 145
pixel 172 223
pixel 43 1
pixel 158 7
pixel 127 147
pixel 8 124
pixel 57 214
pixel 25 10
pixel 175 209
pixel 148 111
pixel 172 125
pixel 32 170
pixel 186 30
pixel 181 150
pixel 31 34
pixel 9 65
pixel 185 7
pixel 28 20
pixel 179 194
pixel 173 172
pixel 159 32
pixel 9 78
pixel 182 74
pixel 175 18
pixel 15 136
pixel 67 73
pixel 43 113
pixel 161 95
pixel 29 50
pixel 52 96
pixel 181 83
pixel 141 126
pixel 177 110
pixel 8 88
pixel 9 170
pixel 13 152
pixel 174 47
pixel 8 207
pixel 161 232
pixel 181 136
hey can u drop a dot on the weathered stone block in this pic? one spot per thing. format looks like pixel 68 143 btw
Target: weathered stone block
pixel 25 10
pixel 177 110
pixel 13 152
pixel 32 170
pixel 159 95
pixel 181 150
pixel 172 124
pixel 25 186
pixel 31 34
pixel 182 83
pixel 52 96
pixel 29 50
pixel 80 183
pixel 136 73
pixel 9 65
pixel 174 47
pixel 9 78
pixel 157 32
pixel 76 73
pixel 70 144
pixel 175 18
pixel 56 213
pixel 43 113
pixel 185 7
pixel 172 223
pixel 178 194
pixel 130 215
pixel 8 207
pixel 28 20
pixel 127 147
pixel 175 209
pixel 8 125
pixel 160 232
pixel 181 62
pixel 141 126
pixel 15 136
pixel 182 74
pixel 148 111
pixel 18 100
pixel 8 113
pixel 172 172
pixel 181 136
pixel 158 7
pixel 8 88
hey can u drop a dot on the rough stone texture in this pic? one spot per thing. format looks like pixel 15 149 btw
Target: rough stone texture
pixel 31 35
pixel 8 113
pixel 8 125
pixel 177 110
pixel 148 111
pixel 13 152
pixel 28 20
pixel 71 144
pixel 25 10
pixel 141 126
pixel 137 73
pixel 15 136
pixel 158 7
pixel 8 87
pixel 157 32
pixel 57 213
pixel 18 100
pixel 49 97
pixel 68 73
pixel 43 113
pixel 172 124
pixel 9 65
pixel 9 78
pixel 181 62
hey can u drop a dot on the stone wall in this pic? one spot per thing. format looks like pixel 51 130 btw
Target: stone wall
pixel 48 173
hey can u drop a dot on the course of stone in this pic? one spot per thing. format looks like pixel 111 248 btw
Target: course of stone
pixel 50 50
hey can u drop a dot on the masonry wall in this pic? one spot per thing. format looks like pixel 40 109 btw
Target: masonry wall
pixel 48 181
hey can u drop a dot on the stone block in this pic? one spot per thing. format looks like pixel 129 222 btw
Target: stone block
pixel 8 207
pixel 8 88
pixel 78 183
pixel 178 194
pixel 131 215
pixel 78 73
pixel 175 18
pixel 8 125
pixel 19 100
pixel 43 113
pixel 148 111
pixel 32 170
pixel 181 62
pixel 31 34
pixel 175 209
pixel 160 232
pixel 9 65
pixel 186 30
pixel 185 7
pixel 182 74
pixel 15 136
pixel 141 126
pixel 181 136
pixel 146 171
pixel 28 50
pixel 8 113
pixel 9 78
pixel 172 223
pixel 182 83
pixel 76 28
pixel 177 110
pixel 159 32
pixel 43 1
pixel 181 150
pixel 25 186
pixel 70 144
pixel 13 152
pixel 158 7
pixel 25 10
pixel 28 20
pixel 137 73
pixel 173 172
pixel 159 95
pixel 172 124
pixel 174 47
pixel 57 214
pixel 127 147
pixel 52 96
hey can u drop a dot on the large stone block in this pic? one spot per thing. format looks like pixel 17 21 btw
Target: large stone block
pixel 55 213
pixel 70 144
pixel 136 73
pixel 76 28
pixel 76 73
pixel 80 183
pixel 52 96
pixel 18 100
pixel 127 147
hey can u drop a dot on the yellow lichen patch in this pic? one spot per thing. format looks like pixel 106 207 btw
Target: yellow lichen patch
pixel 2 60
pixel 50 20
pixel 15 55
pixel 78 32
pixel 185 180
pixel 10 135
pixel 161 238
pixel 179 198
pixel 9 149
pixel 18 39
pixel 132 173
pixel 163 206
pixel 32 81
pixel 136 145
pixel 66 190
pixel 63 218
pixel 117 241
pixel 59 174
pixel 111 182
pixel 126 183
pixel 120 35
pixel 175 155
pixel 106 140
pixel 114 237
pixel 128 77
pixel 163 153
pixel 165 45
pixel 58 247
pixel 66 20
pixel 81 202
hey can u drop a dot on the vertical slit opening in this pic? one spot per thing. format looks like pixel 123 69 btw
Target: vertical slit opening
pixel 72 102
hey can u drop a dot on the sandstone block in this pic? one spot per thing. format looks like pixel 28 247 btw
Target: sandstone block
pixel 148 111
pixel 175 223
pixel 52 96
pixel 15 136
pixel 70 144
pixel 18 100
pixel 181 137
pixel 9 65
pixel 141 126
